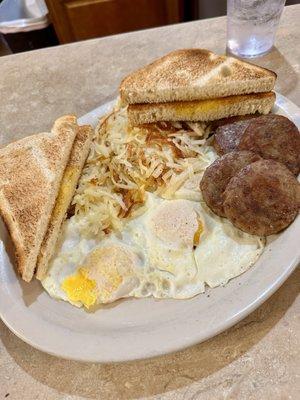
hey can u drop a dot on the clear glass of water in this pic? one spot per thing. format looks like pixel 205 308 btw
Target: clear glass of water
pixel 252 25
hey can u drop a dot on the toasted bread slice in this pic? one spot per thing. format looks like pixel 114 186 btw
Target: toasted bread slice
pixel 31 170
pixel 201 110
pixel 68 185
pixel 194 74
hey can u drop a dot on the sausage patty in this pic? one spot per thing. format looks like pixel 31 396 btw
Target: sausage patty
pixel 263 198
pixel 273 137
pixel 228 135
pixel 219 173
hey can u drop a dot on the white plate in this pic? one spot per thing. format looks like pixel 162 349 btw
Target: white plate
pixel 133 329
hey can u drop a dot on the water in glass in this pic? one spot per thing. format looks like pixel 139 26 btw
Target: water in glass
pixel 251 26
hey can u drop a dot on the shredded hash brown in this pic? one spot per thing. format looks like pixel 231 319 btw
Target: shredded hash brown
pixel 126 162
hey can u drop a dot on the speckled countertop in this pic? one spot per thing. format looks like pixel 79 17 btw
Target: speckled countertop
pixel 257 359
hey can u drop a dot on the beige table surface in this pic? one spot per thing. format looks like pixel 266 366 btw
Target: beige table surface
pixel 257 359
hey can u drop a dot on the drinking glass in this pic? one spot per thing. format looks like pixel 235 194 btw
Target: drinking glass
pixel 252 25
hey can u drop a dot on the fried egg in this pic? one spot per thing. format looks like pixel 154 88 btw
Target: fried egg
pixel 172 249
pixel 168 232
pixel 88 272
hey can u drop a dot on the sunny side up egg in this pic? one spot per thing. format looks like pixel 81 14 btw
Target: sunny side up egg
pixel 168 231
pixel 88 272
pixel 171 250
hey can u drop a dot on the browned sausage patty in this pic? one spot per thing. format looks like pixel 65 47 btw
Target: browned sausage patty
pixel 263 198
pixel 228 135
pixel 273 137
pixel 219 173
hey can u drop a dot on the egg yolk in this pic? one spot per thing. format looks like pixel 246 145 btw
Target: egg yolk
pixel 110 282
pixel 80 288
pixel 198 233
pixel 103 265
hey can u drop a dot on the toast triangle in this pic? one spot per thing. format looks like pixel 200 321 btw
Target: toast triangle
pixel 31 170
pixel 67 188
pixel 201 110
pixel 194 74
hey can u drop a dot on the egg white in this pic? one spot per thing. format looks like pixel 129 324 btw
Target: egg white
pixel 224 251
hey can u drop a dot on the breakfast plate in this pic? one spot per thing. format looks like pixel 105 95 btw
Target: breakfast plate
pixel 141 328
